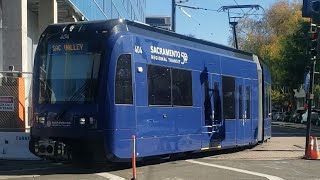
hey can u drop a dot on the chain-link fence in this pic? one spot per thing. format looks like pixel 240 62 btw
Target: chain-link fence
pixel 15 101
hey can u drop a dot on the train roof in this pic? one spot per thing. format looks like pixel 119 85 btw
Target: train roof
pixel 116 25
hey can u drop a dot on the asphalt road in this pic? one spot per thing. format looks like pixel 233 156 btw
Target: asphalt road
pixel 285 129
pixel 196 167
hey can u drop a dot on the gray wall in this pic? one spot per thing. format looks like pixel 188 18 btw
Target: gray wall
pixel 1 49
pixel 33 37
pixel 14 16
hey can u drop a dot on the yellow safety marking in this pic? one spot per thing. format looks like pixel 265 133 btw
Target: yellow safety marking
pixel 207 148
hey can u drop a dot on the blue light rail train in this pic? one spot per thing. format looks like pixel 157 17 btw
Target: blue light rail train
pixel 98 83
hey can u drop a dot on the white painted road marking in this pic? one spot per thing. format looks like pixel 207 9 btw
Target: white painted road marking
pixel 26 176
pixel 109 176
pixel 237 170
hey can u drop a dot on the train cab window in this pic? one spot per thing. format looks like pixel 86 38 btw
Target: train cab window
pixel 248 104
pixel 228 93
pixel 123 83
pixel 240 102
pixel 181 87
pixel 159 85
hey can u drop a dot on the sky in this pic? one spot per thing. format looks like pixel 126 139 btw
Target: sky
pixel 209 25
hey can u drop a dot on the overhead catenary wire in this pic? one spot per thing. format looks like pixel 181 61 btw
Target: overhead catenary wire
pixel 213 10
pixel 187 14
pixel 221 9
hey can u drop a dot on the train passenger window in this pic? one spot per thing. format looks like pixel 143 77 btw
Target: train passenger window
pixel 248 98
pixel 159 85
pixel 228 92
pixel 181 87
pixel 269 99
pixel 240 102
pixel 123 84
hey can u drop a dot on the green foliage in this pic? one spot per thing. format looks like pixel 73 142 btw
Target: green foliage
pixel 279 99
pixel 280 39
pixel 317 90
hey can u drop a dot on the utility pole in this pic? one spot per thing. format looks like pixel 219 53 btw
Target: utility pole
pixel 309 97
pixel 233 20
pixel 311 8
pixel 234 24
pixel 173 16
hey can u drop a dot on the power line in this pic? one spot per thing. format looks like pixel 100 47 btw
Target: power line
pixel 214 10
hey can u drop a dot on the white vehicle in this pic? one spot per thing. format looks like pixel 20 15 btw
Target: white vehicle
pixel 304 117
pixel 314 117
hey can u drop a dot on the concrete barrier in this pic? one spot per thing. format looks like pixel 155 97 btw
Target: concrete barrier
pixel 15 146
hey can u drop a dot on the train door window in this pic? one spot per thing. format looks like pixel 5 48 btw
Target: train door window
pixel 123 84
pixel 228 91
pixel 181 87
pixel 207 101
pixel 240 102
pixel 159 85
pixel 248 100
pixel 216 96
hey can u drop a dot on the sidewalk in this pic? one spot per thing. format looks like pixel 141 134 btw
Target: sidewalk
pixel 277 148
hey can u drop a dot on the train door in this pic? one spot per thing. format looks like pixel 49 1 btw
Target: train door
pixel 240 130
pixel 247 111
pixel 211 129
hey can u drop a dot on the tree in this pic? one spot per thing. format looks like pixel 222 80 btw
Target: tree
pixel 279 99
pixel 279 38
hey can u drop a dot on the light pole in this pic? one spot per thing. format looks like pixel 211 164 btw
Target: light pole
pixel 173 13
pixel 173 16
pixel 233 20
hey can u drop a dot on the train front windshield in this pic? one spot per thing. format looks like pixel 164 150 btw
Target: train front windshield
pixel 68 73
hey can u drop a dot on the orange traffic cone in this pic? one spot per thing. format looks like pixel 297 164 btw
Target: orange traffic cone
pixel 310 148
pixel 315 150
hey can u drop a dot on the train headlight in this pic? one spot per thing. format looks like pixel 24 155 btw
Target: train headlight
pixel 82 121
pixel 41 119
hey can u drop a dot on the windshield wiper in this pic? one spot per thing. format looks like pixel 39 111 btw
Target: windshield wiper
pixel 47 86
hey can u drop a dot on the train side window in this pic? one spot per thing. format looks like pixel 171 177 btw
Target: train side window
pixel 228 92
pixel 248 98
pixel 181 87
pixel 123 84
pixel 159 85
pixel 240 102
pixel 269 100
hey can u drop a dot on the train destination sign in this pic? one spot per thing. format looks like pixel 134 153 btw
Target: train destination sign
pixel 67 47
pixel 6 103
